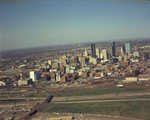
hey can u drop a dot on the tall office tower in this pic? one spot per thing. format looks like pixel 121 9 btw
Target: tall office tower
pixel 60 61
pixel 146 56
pixel 104 53
pixel 123 49
pixel 35 75
pixel 128 47
pixel 98 52
pixel 85 53
pixel 93 50
pixel 57 76
pixel 112 48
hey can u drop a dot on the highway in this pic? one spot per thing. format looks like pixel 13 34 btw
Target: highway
pixel 121 95
pixel 91 101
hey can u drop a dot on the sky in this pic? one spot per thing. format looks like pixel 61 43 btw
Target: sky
pixel 50 22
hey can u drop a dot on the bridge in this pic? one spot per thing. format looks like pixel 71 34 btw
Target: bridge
pixel 36 108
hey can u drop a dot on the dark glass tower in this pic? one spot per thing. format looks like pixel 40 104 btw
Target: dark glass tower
pixel 112 48
pixel 146 56
pixel 93 50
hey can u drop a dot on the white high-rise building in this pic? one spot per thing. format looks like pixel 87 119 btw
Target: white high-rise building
pixel 35 75
pixel 101 55
pixel 86 53
pixel 104 53
pixel 98 52
pixel 122 49
pixel 57 76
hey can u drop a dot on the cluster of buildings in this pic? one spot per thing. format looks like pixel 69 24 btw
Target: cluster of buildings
pixel 94 63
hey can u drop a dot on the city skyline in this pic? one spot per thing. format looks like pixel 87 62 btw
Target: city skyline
pixel 46 23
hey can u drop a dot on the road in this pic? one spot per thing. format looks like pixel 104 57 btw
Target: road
pixel 103 101
pixel 121 95
pixel 78 116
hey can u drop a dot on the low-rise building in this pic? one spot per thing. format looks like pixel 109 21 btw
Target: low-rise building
pixel 2 83
pixel 84 74
pixel 53 76
pixel 61 118
pixel 130 79
pixel 63 79
pixel 143 79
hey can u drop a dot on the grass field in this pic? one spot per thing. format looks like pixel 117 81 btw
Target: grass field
pixel 132 109
pixel 100 91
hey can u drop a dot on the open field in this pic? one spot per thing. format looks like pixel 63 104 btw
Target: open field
pixel 101 91
pixel 132 109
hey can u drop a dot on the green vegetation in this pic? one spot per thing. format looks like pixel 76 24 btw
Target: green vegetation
pixel 133 109
pixel 45 84
pixel 100 91
pixel 33 85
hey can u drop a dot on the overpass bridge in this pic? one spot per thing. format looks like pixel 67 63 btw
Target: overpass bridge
pixel 36 108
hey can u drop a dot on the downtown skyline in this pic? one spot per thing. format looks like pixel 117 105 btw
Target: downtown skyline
pixel 45 23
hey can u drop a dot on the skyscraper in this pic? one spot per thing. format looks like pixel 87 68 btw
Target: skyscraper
pixel 104 53
pixel 86 54
pixel 122 49
pixel 112 48
pixel 128 47
pixel 98 52
pixel 146 56
pixel 93 50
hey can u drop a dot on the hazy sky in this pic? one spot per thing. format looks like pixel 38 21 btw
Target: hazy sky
pixel 44 23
